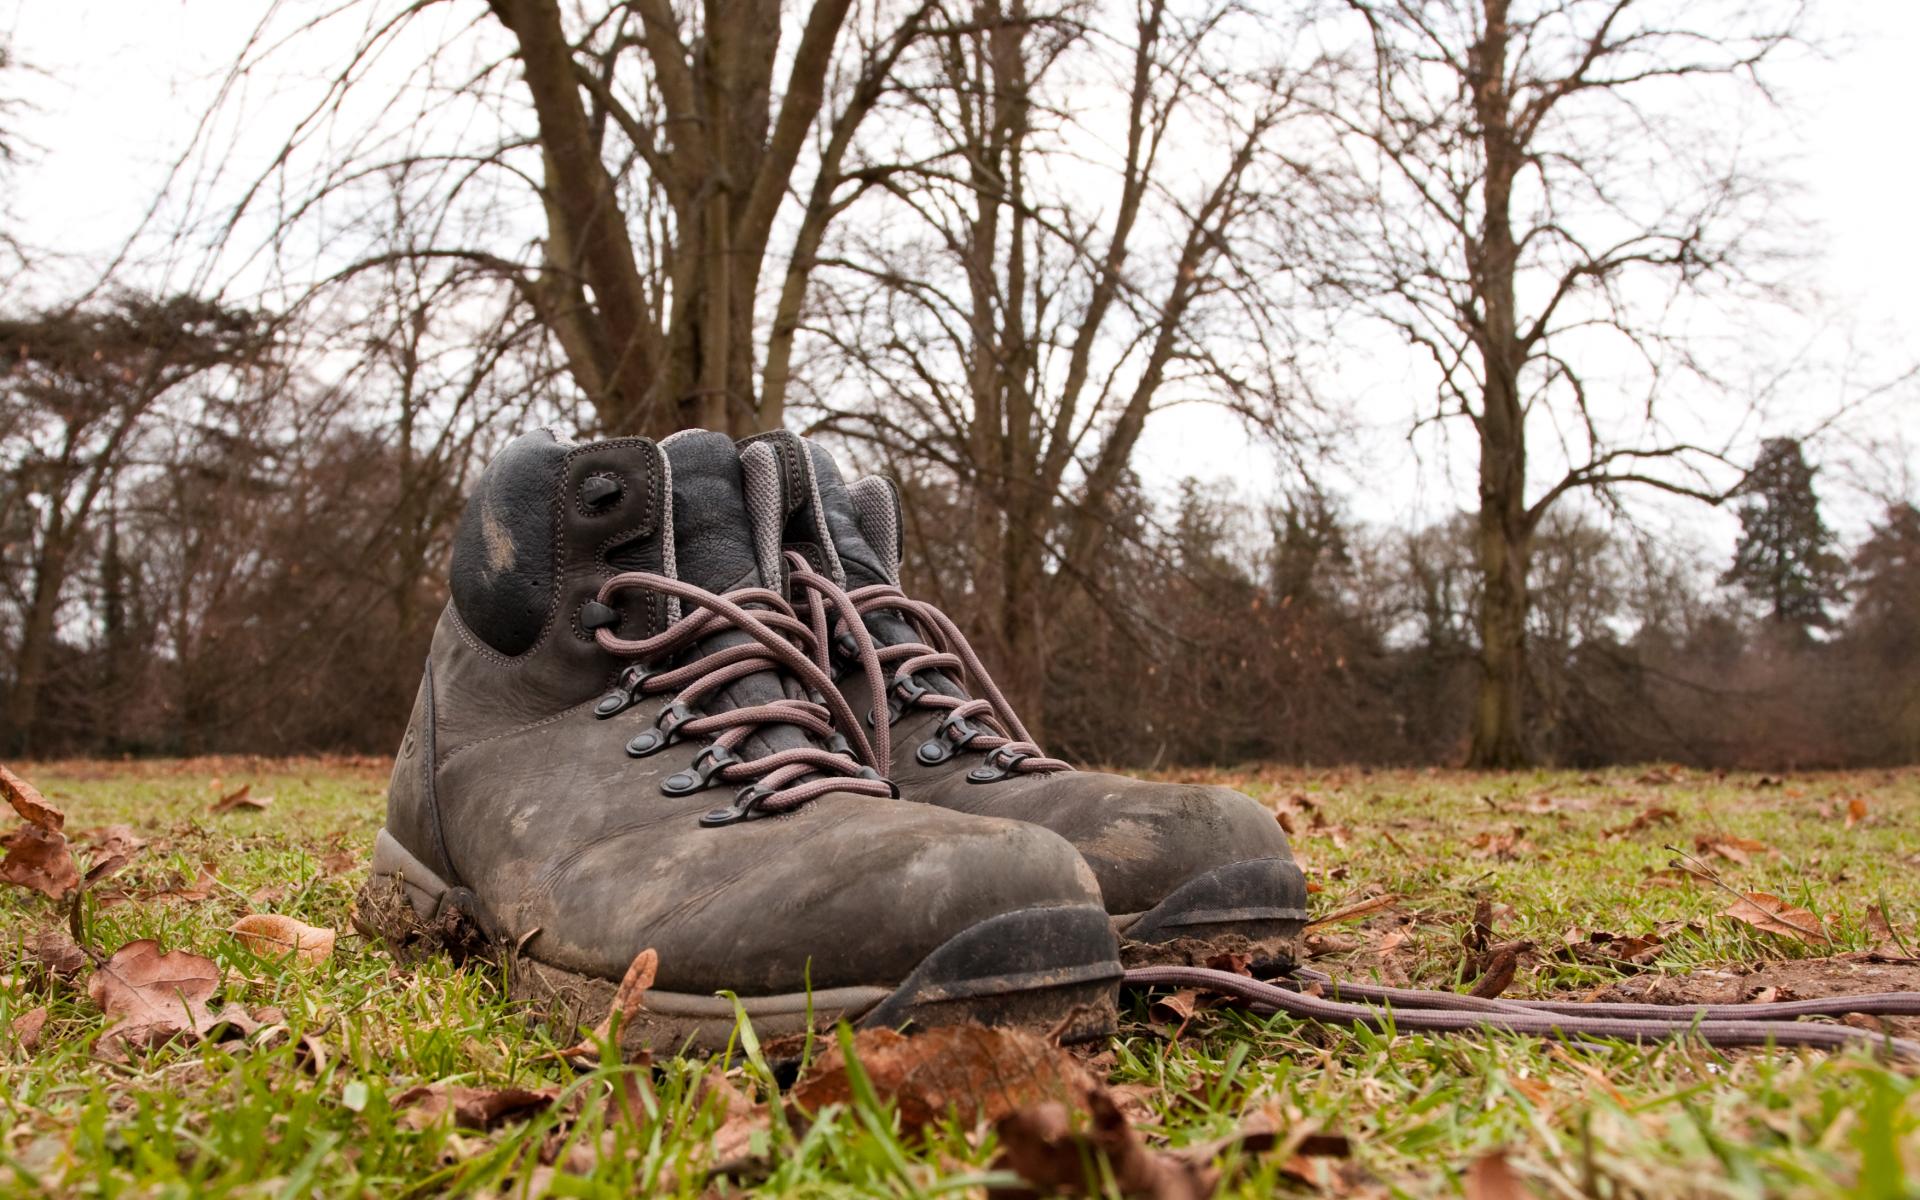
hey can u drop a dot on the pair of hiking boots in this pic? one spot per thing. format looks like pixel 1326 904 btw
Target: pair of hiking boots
pixel 678 701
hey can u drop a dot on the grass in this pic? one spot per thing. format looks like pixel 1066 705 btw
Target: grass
pixel 313 1113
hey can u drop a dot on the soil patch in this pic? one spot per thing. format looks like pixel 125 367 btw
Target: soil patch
pixel 1793 979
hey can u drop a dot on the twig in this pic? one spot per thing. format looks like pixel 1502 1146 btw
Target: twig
pixel 1711 876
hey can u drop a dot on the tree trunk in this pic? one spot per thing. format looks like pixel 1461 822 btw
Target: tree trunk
pixel 1505 528
pixel 1499 728
pixel 36 643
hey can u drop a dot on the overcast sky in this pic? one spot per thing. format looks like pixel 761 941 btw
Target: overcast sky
pixel 116 87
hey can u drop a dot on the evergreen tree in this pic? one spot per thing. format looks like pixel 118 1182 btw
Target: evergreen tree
pixel 1886 572
pixel 1785 557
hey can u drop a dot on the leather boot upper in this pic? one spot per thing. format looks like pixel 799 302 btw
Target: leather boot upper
pixel 510 782
pixel 1143 839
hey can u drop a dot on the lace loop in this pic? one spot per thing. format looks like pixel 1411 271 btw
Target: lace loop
pixel 844 633
pixel 775 782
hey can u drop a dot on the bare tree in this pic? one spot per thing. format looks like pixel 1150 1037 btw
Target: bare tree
pixel 629 168
pixel 1037 297
pixel 85 392
pixel 1535 185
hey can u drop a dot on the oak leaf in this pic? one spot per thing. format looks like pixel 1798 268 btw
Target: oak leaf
pixel 1771 914
pixel 153 996
pixel 38 859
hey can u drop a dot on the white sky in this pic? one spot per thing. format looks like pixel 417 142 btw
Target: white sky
pixel 115 87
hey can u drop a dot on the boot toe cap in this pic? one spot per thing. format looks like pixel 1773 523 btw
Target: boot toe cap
pixel 845 892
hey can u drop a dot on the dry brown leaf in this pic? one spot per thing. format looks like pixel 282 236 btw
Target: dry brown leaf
pixel 1646 818
pixel 271 935
pixel 242 798
pixel 38 859
pixel 1771 914
pixel 1503 962
pixel 730 1151
pixel 979 1074
pixel 472 1108
pixel 29 803
pixel 1353 912
pixel 1880 929
pixel 151 996
pixel 1260 1135
pixel 27 1028
pixel 1856 811
pixel 1491 1177
pixel 1393 940
pixel 340 862
pixel 628 999
pixel 1177 1009
pixel 1611 948
pixel 1479 933
pixel 1507 846
pixel 110 849
pixel 1056 1155
pixel 1232 963
pixel 111 839
pixel 177 888
pixel 59 955
pixel 1734 849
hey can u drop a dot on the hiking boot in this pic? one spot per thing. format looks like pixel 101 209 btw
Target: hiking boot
pixel 1189 872
pixel 621 743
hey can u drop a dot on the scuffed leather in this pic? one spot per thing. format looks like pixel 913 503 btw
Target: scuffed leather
pixel 568 843
pixel 503 562
pixel 1142 838
pixel 557 829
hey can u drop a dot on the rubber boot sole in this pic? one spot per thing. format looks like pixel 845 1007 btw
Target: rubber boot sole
pixel 1256 909
pixel 1052 968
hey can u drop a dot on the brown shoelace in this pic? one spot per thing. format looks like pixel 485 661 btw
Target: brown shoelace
pixel 1009 747
pixel 1410 1010
pixel 774 783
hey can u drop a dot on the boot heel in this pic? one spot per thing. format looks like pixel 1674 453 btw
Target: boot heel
pixel 414 911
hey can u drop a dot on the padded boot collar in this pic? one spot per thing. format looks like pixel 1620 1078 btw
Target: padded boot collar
pixel 821 522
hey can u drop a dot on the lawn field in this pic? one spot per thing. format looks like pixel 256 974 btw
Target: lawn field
pixel 1614 883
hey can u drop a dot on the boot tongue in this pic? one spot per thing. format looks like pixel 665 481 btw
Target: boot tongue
pixel 820 513
pixel 859 558
pixel 823 515
pixel 713 541
pixel 714 547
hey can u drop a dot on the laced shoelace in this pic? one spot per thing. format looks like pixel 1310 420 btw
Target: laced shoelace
pixel 988 724
pixel 1417 1010
pixel 774 783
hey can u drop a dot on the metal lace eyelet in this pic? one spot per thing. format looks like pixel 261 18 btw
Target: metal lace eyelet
pixel 999 764
pixel 625 694
pixel 745 807
pixel 595 615
pixel 597 491
pixel 933 753
pixel 706 767
pixel 893 789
